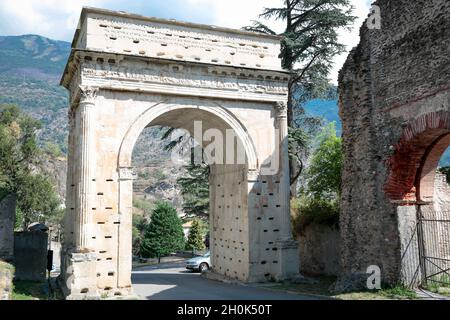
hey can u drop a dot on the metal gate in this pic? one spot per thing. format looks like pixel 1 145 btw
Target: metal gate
pixel 433 231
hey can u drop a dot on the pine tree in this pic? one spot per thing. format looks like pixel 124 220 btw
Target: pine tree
pixel 195 190
pixel 164 234
pixel 310 41
pixel 195 237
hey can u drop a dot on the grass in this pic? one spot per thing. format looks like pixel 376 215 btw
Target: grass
pixel 320 286
pixel 35 290
pixel 29 290
pixel 440 285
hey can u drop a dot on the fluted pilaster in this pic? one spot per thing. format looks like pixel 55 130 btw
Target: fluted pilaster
pixel 284 186
pixel 86 166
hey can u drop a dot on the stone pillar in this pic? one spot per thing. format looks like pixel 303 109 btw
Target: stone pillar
pixel 125 226
pixel 78 262
pixel 287 246
pixel 87 166
pixel 70 185
pixel 283 170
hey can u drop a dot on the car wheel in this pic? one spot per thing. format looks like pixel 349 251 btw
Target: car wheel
pixel 203 267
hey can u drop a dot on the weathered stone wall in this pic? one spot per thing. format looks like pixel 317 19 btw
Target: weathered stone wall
pixel 30 255
pixel 319 250
pixel 394 102
pixel 6 280
pixel 7 216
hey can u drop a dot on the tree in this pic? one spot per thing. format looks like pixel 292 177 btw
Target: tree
pixel 141 218
pixel 324 172
pixel 195 190
pixel 19 156
pixel 164 234
pixel 310 41
pixel 139 224
pixel 18 147
pixel 195 237
pixel 36 199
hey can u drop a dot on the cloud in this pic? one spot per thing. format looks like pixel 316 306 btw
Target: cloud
pixel 57 19
pixel 51 18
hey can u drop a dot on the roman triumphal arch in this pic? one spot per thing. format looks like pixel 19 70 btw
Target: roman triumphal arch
pixel 127 72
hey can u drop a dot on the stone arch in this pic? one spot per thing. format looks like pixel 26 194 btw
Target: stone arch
pixel 416 157
pixel 157 110
pixel 117 90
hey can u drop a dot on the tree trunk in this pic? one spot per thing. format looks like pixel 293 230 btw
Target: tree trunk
pixel 293 165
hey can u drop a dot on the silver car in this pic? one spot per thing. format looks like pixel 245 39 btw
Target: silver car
pixel 201 263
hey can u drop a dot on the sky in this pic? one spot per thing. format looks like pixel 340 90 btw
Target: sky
pixel 57 19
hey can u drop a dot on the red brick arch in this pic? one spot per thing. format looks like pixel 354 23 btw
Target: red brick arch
pixel 412 167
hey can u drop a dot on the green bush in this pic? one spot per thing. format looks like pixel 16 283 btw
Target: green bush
pixel 164 234
pixel 195 237
pixel 308 210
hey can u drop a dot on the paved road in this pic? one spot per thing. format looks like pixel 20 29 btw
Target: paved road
pixel 171 281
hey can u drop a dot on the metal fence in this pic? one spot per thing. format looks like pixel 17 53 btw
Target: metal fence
pixel 433 234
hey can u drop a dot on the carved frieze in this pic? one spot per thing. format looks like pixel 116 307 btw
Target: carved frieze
pixel 193 78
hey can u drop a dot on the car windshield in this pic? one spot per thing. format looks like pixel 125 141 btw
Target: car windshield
pixel 206 254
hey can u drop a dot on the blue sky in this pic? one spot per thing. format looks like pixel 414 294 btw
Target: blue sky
pixel 57 19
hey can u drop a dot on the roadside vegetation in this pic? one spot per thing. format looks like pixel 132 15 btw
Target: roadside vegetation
pixel 37 200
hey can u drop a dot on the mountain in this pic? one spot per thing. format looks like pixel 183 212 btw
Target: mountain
pixel 326 109
pixel 30 69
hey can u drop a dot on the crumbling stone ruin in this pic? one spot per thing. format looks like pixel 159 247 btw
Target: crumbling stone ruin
pixel 7 218
pixel 395 107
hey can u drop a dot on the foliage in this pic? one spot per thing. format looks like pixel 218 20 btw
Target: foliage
pixel 160 175
pixel 19 154
pixel 164 233
pixel 319 201
pixel 18 148
pixel 195 190
pixel 446 171
pixel 324 172
pixel 310 210
pixel 398 291
pixel 139 224
pixel 37 200
pixel 146 206
pixel 195 237
pixel 310 41
pixel 53 149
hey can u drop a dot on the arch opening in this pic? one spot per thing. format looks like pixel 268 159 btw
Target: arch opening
pixel 227 182
pixel 416 158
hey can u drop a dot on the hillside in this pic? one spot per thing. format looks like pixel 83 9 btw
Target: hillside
pixel 30 68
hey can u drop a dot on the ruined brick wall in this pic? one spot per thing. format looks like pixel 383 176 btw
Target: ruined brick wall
pixel 394 102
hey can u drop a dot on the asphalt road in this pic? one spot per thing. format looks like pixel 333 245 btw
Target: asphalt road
pixel 170 281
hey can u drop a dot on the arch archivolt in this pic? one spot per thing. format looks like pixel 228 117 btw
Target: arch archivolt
pixel 146 118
